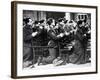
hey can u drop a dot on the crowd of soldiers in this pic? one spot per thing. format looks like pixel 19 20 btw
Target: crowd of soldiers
pixel 58 34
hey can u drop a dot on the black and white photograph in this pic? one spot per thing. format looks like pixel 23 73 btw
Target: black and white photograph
pixel 54 39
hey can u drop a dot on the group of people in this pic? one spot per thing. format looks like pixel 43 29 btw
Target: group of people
pixel 56 34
